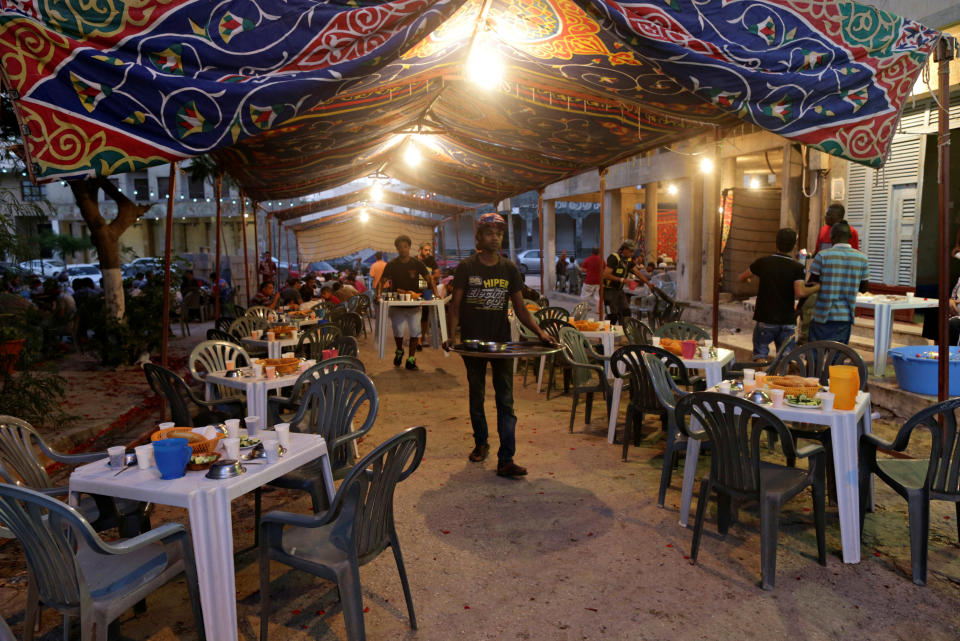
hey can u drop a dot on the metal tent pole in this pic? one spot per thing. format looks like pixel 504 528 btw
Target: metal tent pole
pixel 718 238
pixel 218 192
pixel 943 55
pixel 543 243
pixel 603 222
pixel 164 341
pixel 243 223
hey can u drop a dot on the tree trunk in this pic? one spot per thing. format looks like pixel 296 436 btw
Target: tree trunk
pixel 106 236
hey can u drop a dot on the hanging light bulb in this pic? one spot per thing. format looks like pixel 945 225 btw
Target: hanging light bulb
pixel 376 190
pixel 706 165
pixel 754 183
pixel 672 189
pixel 411 155
pixel 484 67
pixel 364 216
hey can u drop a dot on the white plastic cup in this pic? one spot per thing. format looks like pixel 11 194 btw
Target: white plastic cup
pixel 724 387
pixel 309 363
pixel 258 369
pixel 167 425
pixel 231 365
pixel 271 336
pixel 270 371
pixel 909 295
pixel 826 400
pixel 283 434
pixel 749 374
pixel 231 446
pixel 776 395
pixel 253 425
pixel 144 456
pixel 708 343
pixel 233 427
pixel 271 447
pixel 256 334
pixel 656 341
pixel 117 453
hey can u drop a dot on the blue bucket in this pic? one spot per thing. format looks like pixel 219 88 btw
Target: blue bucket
pixel 917 372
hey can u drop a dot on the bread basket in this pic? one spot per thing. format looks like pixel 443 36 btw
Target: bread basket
pixel 199 444
pixel 284 366
pixel 790 385
pixel 284 331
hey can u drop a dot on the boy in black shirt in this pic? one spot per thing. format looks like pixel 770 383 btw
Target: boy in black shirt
pixel 781 279
pixel 482 285
pixel 403 272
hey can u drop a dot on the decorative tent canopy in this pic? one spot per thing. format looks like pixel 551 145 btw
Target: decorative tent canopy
pixel 301 96
pixel 362 196
pixel 349 232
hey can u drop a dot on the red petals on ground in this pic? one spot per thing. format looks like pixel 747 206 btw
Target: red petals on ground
pixel 365 610
pixel 445 531
pixel 295 612
pixel 669 545
pixel 466 607
pixel 592 609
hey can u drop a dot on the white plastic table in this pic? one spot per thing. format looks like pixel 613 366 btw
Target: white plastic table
pixel 607 339
pixel 211 525
pixel 712 369
pixel 845 430
pixel 274 348
pixel 256 389
pixel 438 321
pixel 883 307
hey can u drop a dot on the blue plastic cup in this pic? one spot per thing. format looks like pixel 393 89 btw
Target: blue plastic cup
pixel 428 294
pixel 172 456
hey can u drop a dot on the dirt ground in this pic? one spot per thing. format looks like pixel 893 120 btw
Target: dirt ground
pixel 576 550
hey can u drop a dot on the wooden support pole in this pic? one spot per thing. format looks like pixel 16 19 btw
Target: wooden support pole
pixel 943 55
pixel 603 222
pixel 218 192
pixel 243 222
pixel 269 221
pixel 164 341
pixel 543 241
pixel 717 236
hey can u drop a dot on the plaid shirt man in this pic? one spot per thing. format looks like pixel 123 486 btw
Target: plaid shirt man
pixel 841 269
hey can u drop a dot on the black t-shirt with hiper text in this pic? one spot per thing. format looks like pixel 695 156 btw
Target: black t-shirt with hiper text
pixel 486 291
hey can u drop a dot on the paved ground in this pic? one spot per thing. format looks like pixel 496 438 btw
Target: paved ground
pixel 576 550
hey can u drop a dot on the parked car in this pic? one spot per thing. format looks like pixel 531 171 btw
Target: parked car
pixel 84 270
pixel 11 269
pixel 148 265
pixel 528 261
pixel 44 266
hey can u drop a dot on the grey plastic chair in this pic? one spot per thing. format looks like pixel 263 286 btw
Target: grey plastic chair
pixel 346 346
pixel 212 356
pixel 358 526
pixel 365 309
pixel 734 426
pixel 350 324
pixel 74 572
pixel 919 481
pixel 667 394
pixel 636 331
pixel 179 397
pixel 277 404
pixel 552 326
pixel 580 311
pixel 586 375
pixel 20 465
pixel 263 312
pixel 316 339
pixel 547 313
pixel 214 334
pixel 681 331
pixel 243 327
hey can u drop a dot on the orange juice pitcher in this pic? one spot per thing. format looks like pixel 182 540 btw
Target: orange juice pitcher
pixel 844 384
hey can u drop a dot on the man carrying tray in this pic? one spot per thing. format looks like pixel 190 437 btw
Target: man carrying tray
pixel 482 286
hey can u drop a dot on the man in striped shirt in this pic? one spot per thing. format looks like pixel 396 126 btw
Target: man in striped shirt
pixel 842 271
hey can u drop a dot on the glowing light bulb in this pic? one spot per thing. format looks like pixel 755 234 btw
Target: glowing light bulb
pixel 411 155
pixel 364 216
pixel 376 191
pixel 754 183
pixel 672 189
pixel 706 165
pixel 484 66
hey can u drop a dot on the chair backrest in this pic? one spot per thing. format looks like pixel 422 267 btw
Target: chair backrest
pixel 47 530
pixel 350 323
pixel 787 347
pixel 264 312
pixel 543 302
pixel 193 299
pixel 545 313
pixel 637 332
pixel 223 323
pixel 662 383
pixel 552 327
pixel 814 360
pixel 578 350
pixel 323 367
pixel 351 303
pixel 243 327
pixel 681 331
pixel 527 301
pixel 627 361
pixel 214 334
pixel 734 426
pixel 580 311
pixel 212 356
pixel 346 346
pixel 19 464
pixel 365 497
pixel 330 404
pixel 166 383
pixel 943 471
pixel 336 311
pixel 313 341
pixel 363 304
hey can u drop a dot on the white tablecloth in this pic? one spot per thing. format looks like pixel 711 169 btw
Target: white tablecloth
pixel 438 321
pixel 712 371
pixel 883 308
pixel 256 389
pixel 211 525
pixel 845 430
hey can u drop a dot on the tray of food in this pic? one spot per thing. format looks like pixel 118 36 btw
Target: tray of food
pixel 802 401
pixel 492 349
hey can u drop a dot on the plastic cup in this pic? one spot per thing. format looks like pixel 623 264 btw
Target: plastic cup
pixel 826 400
pixel 253 425
pixel 271 336
pixel 910 295
pixel 749 386
pixel 760 377
pixel 258 370
pixel 167 425
pixel 270 371
pixel 708 343
pixel 117 453
pixel 656 341
pixel 271 447
pixel 688 349
pixel 231 365
pixel 233 427
pixel 724 387
pixel 749 374
pixel 144 456
pixel 283 434
pixel 776 395
pixel 256 334
pixel 231 447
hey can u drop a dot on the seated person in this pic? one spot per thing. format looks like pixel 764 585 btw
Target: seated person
pixel 291 293
pixel 327 295
pixel 344 291
pixel 222 284
pixel 188 282
pixel 266 296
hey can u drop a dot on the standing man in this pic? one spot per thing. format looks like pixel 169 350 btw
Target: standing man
pixel 781 280
pixel 834 215
pixel 268 271
pixel 425 256
pixel 376 269
pixel 561 271
pixel 842 271
pixel 403 272
pixel 483 284
pixel 619 266
pixel 592 268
